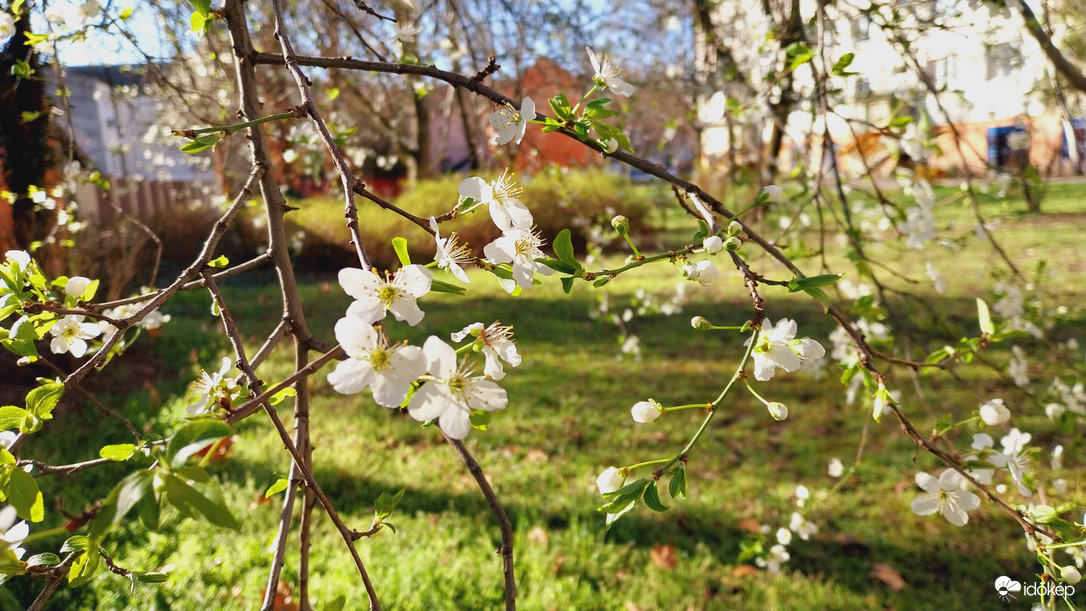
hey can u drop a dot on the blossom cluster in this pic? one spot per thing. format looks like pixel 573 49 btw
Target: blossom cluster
pixel 442 387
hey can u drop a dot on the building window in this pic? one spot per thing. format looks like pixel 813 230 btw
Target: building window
pixel 1003 60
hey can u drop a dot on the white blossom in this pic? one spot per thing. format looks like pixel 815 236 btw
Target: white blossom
pixel 501 197
pixel 944 495
pixel 784 536
pixel 773 194
pixel 211 386
pixel 705 272
pixel 519 246
pixel 449 255
pixel 994 412
pixel 803 528
pixel 375 297
pixel 70 334
pixel 610 480
pixel 387 370
pixel 496 343
pixel 1018 367
pixel 773 561
pixel 646 411
pixel 936 278
pixel 713 244
pixel 777 347
pixel 511 123
pixel 454 393
pixel 20 257
pixel 609 75
pixel 7 25
pixel 12 532
pixel 836 468
pixel 778 411
pixel 76 286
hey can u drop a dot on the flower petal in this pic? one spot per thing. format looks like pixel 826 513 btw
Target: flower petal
pixel 477 189
pixel 367 310
pixel 455 422
pixel 356 337
pixel 351 376
pixel 415 279
pixel 485 395
pixel 359 283
pixel 925 504
pixel 440 357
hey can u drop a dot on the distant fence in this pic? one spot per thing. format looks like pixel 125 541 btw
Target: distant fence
pixel 142 199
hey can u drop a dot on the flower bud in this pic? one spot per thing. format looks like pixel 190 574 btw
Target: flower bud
pixel 610 480
pixel 690 271
pixel 621 225
pixel 732 244
pixel 76 286
pixel 609 145
pixel 772 194
pixel 734 229
pixel 1070 574
pixel 778 410
pixel 1054 411
pixel 646 411
pixel 994 412
pixel 701 323
pixel 713 244
pixel 707 273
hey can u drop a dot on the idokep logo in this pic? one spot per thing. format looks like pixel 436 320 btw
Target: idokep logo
pixel 1007 587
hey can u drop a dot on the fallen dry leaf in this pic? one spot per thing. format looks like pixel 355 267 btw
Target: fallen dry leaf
pixel 538 535
pixel 744 570
pixel 750 525
pixel 536 455
pixel 886 574
pixel 664 556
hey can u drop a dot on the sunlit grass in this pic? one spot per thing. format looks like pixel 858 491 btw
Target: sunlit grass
pixel 567 420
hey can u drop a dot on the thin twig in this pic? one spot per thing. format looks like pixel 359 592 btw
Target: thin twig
pixel 506 549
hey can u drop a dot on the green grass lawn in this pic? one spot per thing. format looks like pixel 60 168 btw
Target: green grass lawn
pixel 568 419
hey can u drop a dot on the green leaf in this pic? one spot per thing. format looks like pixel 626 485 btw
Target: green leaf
pixel 1043 514
pixel 563 248
pixel 598 282
pixel 677 487
pixel 43 399
pixel 559 266
pixel 598 103
pixel 819 295
pixel 148 510
pixel 193 493
pixel 901 121
pixel 151 576
pixel 985 317
pixel 119 452
pixel 385 504
pixel 279 486
pixel 221 261
pixel 278 397
pixel 46 559
pixel 75 544
pixel 844 62
pixel 84 567
pixel 125 495
pixel 25 496
pixel 567 283
pixel 400 246
pixel 338 603
pixel 560 106
pixel 12 417
pixel 439 286
pixel 206 141
pixel 625 496
pixel 193 437
pixel 802 284
pixel 652 499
